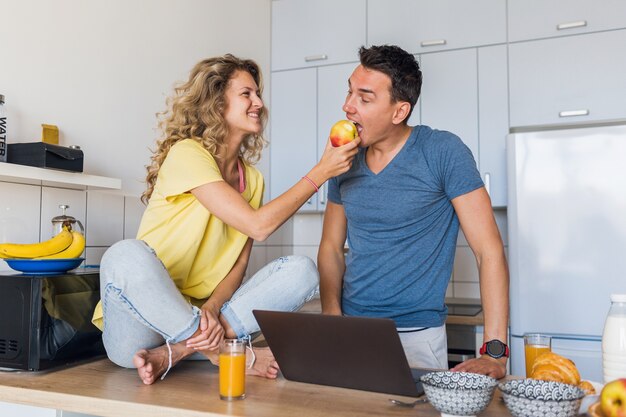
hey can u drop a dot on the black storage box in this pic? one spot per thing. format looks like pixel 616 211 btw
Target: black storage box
pixel 45 155
pixel 45 320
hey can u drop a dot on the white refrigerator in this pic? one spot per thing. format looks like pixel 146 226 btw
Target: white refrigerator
pixel 567 238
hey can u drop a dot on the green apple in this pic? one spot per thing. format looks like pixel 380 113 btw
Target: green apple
pixel 613 398
pixel 342 132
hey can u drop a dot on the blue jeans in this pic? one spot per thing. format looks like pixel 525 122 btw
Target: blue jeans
pixel 144 309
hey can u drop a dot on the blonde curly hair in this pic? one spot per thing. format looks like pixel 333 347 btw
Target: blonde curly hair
pixel 196 111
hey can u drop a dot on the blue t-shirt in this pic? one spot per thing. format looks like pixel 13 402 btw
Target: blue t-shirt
pixel 402 228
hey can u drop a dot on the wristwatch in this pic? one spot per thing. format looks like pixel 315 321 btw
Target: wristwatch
pixel 495 348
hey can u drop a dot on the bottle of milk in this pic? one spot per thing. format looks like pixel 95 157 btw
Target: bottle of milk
pixel 614 340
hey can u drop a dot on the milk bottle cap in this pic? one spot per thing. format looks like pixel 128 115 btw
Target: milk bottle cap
pixel 618 298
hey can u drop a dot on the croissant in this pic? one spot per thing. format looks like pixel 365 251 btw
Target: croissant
pixel 552 367
pixel 587 387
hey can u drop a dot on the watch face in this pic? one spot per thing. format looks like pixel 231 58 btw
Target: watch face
pixel 495 349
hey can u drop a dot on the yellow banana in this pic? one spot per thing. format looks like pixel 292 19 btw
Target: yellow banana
pixel 34 250
pixel 74 250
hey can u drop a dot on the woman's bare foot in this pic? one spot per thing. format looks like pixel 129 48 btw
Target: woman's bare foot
pixel 151 363
pixel 265 365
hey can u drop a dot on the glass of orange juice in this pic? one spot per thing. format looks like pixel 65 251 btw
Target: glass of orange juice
pixel 232 369
pixel 534 345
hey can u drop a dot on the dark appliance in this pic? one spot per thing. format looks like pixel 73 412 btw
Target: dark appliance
pixel 45 320
pixel 461 338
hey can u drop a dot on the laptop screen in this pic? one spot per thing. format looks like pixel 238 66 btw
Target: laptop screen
pixel 350 352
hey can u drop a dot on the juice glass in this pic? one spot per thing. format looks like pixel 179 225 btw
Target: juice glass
pixel 534 345
pixel 232 369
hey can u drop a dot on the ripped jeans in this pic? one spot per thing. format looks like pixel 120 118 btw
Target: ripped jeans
pixel 143 308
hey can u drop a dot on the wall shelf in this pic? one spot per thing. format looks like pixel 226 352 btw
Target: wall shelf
pixel 42 176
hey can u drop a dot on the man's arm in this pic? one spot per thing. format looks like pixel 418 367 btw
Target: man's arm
pixel 330 258
pixel 480 230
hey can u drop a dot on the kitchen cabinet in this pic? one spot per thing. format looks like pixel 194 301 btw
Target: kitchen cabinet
pixel 449 95
pixel 465 92
pixel 20 207
pixel 493 121
pixel 536 19
pixel 426 25
pixel 299 137
pixel 293 140
pixel 105 218
pixel 332 89
pixel 310 33
pixel 568 79
pixel 133 212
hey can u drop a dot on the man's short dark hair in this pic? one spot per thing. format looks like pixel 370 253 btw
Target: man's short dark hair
pixel 400 66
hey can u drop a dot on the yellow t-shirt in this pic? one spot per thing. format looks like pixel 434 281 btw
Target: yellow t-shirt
pixel 197 248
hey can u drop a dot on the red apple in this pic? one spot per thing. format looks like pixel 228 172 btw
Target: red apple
pixel 342 132
pixel 613 398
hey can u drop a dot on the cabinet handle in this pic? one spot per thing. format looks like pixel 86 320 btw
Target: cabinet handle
pixel 320 57
pixel 436 42
pixel 322 194
pixel 488 183
pixel 571 113
pixel 571 25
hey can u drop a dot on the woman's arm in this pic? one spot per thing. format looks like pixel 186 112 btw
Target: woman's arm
pixel 226 203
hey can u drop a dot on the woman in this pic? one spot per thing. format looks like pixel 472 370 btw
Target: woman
pixel 176 290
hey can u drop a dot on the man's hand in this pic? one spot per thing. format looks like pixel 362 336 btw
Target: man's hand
pixel 485 365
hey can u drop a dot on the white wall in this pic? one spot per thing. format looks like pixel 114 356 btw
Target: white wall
pixel 100 70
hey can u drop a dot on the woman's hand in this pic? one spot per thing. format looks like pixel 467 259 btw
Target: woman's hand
pixel 337 160
pixel 211 330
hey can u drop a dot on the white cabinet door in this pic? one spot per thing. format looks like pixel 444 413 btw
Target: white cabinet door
pixel 450 92
pixel 308 33
pixel 133 212
pixel 535 19
pixel 19 410
pixel 430 25
pixel 293 140
pixel 568 79
pixel 493 120
pixel 331 95
pixel 105 218
pixel 19 215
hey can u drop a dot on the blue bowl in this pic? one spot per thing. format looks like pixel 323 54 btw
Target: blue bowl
pixel 44 266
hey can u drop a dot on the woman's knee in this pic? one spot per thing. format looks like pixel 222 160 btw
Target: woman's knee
pixel 127 259
pixel 307 271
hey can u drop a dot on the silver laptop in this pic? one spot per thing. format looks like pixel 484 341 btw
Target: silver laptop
pixel 349 352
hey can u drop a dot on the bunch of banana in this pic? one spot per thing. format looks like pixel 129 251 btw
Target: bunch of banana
pixel 67 244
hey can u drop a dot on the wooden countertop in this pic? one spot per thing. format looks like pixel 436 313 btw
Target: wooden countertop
pixel 191 390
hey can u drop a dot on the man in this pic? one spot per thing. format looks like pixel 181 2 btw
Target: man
pixel 400 207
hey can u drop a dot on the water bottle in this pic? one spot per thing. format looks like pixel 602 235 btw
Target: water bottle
pixel 614 340
pixel 3 131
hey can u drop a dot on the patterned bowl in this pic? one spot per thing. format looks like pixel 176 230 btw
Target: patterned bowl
pixel 534 398
pixel 458 393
